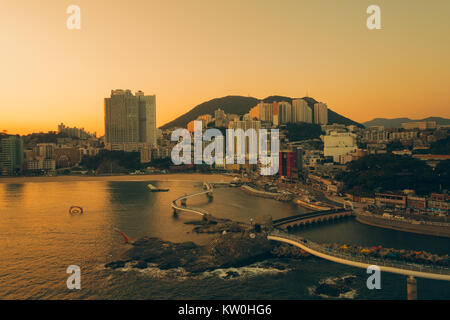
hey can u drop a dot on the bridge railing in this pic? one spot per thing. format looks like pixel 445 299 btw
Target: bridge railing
pixel 209 188
pixel 364 259
pixel 193 209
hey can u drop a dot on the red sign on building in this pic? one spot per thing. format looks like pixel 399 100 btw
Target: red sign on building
pixel 287 164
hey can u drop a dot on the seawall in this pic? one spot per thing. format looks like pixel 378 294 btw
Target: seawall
pixel 310 206
pixel 259 193
pixel 431 230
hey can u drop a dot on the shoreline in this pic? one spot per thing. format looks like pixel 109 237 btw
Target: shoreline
pixel 259 193
pixel 428 230
pixel 213 177
pixel 309 206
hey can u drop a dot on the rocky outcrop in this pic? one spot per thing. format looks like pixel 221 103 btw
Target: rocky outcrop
pixel 116 264
pixel 288 251
pixel 227 250
pixel 234 250
pixel 214 225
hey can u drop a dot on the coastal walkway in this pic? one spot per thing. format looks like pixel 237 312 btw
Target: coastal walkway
pixel 411 270
pixel 182 206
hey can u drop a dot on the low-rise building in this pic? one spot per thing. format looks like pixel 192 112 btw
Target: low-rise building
pixel 439 202
pixel 403 135
pixel 41 164
pixel 66 157
pixel 390 200
pixel 375 134
pixel 417 203
pixel 352 156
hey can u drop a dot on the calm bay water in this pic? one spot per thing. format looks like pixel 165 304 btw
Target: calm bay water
pixel 39 239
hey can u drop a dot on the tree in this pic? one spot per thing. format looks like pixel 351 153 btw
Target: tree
pixel 442 172
pixel 388 172
pixel 441 146
pixel 394 145
pixel 303 131
pixel 119 160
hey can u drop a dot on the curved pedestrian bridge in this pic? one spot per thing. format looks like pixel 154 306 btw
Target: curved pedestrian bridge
pixel 361 261
pixel 208 191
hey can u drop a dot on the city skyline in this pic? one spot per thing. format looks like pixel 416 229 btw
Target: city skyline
pixel 189 53
pixel 281 103
pixel 228 154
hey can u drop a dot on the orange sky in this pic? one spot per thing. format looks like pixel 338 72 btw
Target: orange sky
pixel 187 52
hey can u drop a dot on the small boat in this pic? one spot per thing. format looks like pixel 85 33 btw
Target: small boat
pixel 155 189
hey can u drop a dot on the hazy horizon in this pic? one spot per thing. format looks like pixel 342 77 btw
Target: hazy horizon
pixel 187 53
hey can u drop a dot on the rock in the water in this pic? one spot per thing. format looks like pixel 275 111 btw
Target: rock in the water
pixel 115 264
pixel 330 290
pixel 231 274
pixel 336 287
pixel 140 265
pixel 349 280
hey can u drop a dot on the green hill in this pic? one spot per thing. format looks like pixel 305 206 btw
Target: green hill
pixel 241 105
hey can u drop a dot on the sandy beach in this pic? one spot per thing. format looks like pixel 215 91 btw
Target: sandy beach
pixel 148 177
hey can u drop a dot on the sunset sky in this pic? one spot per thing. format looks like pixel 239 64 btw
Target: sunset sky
pixel 190 51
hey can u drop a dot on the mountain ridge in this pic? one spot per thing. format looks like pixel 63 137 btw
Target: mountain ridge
pixel 241 105
pixel 397 122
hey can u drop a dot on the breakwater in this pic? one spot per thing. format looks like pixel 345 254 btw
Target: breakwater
pixel 280 196
pixel 432 229
pixel 310 206
pixel 260 193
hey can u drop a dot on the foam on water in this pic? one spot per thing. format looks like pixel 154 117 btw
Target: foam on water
pixel 253 270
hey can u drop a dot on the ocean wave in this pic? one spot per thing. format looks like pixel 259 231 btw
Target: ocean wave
pixel 156 273
pixel 253 270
